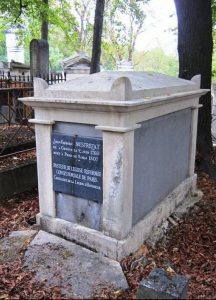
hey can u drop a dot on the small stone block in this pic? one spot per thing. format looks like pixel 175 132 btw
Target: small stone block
pixel 159 286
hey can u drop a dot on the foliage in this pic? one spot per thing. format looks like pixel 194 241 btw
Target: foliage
pixel 83 12
pixel 27 20
pixel 214 12
pixel 156 60
pixel 124 20
pixel 71 29
pixel 108 56
pixel 3 54
pixel 18 12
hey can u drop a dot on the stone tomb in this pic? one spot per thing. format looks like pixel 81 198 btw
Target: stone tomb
pixel 39 57
pixel 78 63
pixel 115 155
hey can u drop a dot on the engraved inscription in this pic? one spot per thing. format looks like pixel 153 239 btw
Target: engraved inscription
pixel 77 166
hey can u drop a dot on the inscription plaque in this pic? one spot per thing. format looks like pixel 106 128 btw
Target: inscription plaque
pixel 77 164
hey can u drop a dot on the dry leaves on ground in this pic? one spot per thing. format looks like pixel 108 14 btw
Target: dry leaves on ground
pixel 189 248
pixel 18 213
pixel 16 134
pixel 18 159
pixel 16 283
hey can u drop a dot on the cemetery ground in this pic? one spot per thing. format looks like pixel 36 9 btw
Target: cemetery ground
pixel 17 159
pixel 188 248
pixel 15 135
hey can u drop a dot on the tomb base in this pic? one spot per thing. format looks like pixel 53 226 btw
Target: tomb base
pixel 111 247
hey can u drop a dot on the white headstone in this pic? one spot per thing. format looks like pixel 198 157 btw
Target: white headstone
pixel 14 50
pixel 125 65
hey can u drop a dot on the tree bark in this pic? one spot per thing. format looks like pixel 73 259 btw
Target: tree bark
pixel 195 47
pixel 98 29
pixel 44 25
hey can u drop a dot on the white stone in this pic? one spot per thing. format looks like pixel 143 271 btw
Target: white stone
pixel 116 248
pixel 115 103
pixel 118 183
pixel 118 86
pixel 76 64
pixel 14 50
pixel 44 169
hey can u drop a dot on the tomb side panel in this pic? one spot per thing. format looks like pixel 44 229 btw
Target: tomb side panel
pixel 161 159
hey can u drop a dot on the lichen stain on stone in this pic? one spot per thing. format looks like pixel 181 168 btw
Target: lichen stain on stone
pixel 116 175
pixel 117 169
pixel 66 254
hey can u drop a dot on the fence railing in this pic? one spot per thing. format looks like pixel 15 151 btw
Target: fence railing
pixel 14 113
pixel 18 81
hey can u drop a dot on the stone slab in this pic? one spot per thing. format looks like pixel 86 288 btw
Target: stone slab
pixel 77 166
pixel 39 57
pixel 121 86
pixel 156 152
pixel 12 246
pixel 77 270
pixel 111 247
pixel 159 286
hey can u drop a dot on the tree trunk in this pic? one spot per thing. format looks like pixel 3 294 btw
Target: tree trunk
pixel 98 28
pixel 44 25
pixel 195 46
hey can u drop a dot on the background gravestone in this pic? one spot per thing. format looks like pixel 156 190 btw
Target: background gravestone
pixel 39 57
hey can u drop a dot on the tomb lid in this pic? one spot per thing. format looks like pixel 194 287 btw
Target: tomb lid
pixel 118 86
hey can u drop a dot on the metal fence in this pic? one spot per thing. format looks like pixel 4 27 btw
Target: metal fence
pixel 13 112
pixel 10 81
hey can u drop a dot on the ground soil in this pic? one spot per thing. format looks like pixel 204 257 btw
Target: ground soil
pixel 15 135
pixel 17 159
pixel 18 212
pixel 188 248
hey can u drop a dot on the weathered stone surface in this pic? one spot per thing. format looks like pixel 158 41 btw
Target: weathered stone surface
pixel 159 286
pixel 39 57
pixel 120 86
pixel 78 271
pixel 159 232
pixel 11 247
pixel 112 247
pixel 118 105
